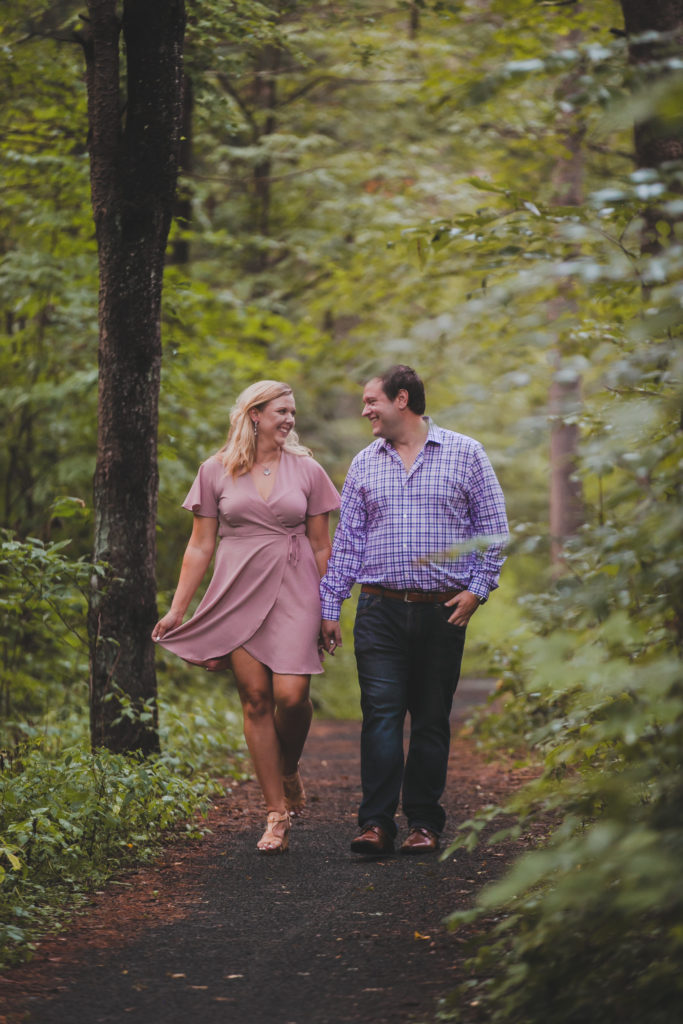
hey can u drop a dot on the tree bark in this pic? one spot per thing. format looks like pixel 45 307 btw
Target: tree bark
pixel 180 253
pixel 655 31
pixel 134 166
pixel 566 507
pixel 264 98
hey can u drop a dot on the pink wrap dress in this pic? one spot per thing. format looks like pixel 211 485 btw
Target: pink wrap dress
pixel 264 592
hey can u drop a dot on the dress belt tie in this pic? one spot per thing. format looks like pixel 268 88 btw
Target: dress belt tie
pixel 293 542
pixel 293 548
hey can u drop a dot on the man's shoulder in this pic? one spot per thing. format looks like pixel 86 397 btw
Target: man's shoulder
pixel 452 440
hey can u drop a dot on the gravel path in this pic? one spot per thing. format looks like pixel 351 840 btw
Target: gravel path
pixel 215 933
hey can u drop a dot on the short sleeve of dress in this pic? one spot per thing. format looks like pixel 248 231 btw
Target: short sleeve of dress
pixel 202 498
pixel 322 495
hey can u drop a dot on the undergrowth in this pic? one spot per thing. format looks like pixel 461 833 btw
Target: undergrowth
pixel 72 821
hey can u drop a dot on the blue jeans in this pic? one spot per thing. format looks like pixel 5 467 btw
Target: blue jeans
pixel 408 657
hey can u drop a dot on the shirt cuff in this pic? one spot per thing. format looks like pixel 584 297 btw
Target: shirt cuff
pixel 481 589
pixel 330 608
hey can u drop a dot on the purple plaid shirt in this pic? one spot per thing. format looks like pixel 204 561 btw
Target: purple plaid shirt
pixel 397 528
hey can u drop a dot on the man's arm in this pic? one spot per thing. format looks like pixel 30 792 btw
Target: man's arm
pixel 489 519
pixel 345 561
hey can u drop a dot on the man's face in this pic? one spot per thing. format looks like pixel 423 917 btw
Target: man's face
pixel 384 415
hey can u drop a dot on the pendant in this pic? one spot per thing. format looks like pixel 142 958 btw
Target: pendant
pixel 266 472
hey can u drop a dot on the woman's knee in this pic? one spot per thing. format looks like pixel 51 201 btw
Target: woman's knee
pixel 294 703
pixel 292 694
pixel 256 705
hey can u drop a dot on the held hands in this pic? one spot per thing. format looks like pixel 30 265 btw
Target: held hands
pixel 330 634
pixel 464 606
pixel 170 621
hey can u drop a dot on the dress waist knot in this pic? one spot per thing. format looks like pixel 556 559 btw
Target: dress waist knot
pixel 293 540
pixel 293 548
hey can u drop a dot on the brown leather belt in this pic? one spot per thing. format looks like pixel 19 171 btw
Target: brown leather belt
pixel 426 596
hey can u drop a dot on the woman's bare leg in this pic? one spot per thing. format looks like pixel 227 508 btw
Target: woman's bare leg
pixel 293 714
pixel 255 687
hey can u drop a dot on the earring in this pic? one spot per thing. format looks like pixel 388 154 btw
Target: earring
pixel 255 428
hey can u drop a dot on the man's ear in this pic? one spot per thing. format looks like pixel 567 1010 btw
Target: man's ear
pixel 402 399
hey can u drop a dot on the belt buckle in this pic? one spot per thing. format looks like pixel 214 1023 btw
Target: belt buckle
pixel 406 599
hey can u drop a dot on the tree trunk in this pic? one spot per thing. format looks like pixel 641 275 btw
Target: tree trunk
pixel 566 495
pixel 134 165
pixel 264 98
pixel 180 252
pixel 414 20
pixel 655 31
pixel 566 512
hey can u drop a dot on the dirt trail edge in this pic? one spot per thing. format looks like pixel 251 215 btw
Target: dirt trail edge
pixel 216 933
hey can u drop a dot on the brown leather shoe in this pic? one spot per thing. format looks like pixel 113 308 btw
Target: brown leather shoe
pixel 421 840
pixel 372 841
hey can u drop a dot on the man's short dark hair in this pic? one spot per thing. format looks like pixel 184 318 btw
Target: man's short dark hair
pixel 403 378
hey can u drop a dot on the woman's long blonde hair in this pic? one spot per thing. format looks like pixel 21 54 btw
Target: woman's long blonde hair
pixel 239 451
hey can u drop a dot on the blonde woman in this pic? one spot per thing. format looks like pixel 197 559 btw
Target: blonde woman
pixel 267 501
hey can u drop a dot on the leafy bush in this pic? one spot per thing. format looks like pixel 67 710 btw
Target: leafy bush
pixel 201 728
pixel 70 819
pixel 592 925
pixel 43 647
pixel 70 822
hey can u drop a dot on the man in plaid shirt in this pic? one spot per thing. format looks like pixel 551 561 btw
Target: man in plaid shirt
pixel 422 529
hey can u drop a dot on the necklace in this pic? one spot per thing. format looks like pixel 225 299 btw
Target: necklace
pixel 267 470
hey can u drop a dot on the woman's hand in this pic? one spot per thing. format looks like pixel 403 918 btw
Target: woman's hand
pixel 170 621
pixel 330 632
pixel 196 559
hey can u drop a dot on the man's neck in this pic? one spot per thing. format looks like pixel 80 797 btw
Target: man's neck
pixel 411 435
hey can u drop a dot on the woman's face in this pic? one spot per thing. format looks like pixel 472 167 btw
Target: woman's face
pixel 275 420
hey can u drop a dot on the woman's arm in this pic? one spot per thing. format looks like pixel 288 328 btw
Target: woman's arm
pixel 196 559
pixel 318 533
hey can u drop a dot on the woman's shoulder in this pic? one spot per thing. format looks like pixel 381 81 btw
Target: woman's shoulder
pixel 214 464
pixel 304 463
pixel 212 471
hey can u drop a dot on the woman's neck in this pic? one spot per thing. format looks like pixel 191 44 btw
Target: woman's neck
pixel 270 454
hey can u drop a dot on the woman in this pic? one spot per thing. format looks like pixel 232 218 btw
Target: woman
pixel 268 501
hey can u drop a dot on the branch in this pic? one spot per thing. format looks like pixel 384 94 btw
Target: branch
pixel 231 180
pixel 337 83
pixel 302 90
pixel 231 91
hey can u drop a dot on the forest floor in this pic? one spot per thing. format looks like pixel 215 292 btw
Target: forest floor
pixel 215 933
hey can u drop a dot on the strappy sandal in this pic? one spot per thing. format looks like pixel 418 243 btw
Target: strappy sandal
pixel 276 837
pixel 295 795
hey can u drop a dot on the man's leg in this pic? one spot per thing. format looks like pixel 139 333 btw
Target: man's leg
pixel 381 645
pixel 435 669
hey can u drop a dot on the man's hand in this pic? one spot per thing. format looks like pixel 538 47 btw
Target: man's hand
pixel 330 632
pixel 464 606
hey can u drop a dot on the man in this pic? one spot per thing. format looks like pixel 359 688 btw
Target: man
pixel 409 498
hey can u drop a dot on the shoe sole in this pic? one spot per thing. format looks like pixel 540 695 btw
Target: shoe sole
pixel 415 851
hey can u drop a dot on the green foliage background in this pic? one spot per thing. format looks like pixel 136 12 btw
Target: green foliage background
pixel 418 209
